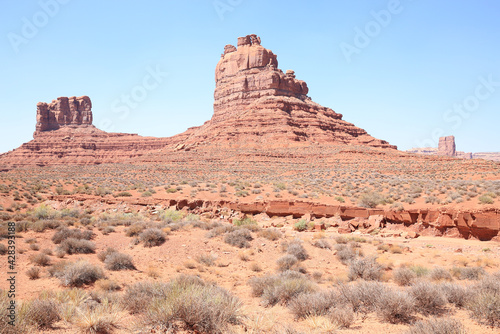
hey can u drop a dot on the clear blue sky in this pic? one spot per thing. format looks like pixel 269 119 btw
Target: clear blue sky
pixel 421 71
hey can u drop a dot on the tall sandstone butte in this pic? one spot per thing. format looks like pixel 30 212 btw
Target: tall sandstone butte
pixel 257 104
pixel 447 146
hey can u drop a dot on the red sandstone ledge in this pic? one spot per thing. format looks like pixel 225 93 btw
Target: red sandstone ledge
pixel 479 224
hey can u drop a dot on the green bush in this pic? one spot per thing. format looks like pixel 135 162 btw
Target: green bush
pixel 486 199
pixel 301 225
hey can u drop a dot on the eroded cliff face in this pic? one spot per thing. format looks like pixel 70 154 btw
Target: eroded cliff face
pixel 64 111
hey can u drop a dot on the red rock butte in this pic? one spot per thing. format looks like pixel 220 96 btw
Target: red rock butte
pixel 256 105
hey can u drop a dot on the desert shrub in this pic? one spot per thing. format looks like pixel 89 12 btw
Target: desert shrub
pixel 104 254
pixel 485 199
pixel 239 238
pixel 135 229
pixel 123 194
pixel 42 313
pixel 66 233
pixel 484 303
pixel 102 318
pixel 43 211
pixel 362 297
pixel 437 326
pixel 485 308
pixel 219 230
pixel 429 298
pixel 152 237
pixel 341 240
pixel 440 274
pixel 365 268
pixel 371 200
pixel 202 307
pixel 107 285
pixel 245 221
pixel 119 261
pixel 35 247
pixel 420 271
pixel 490 284
pixel 171 216
pixel 42 225
pixel 313 304
pixel 40 259
pixel 138 296
pixel 396 307
pixel 78 273
pixel 280 288
pixel 245 256
pixel 47 251
pixel 207 259
pixel 33 273
pixel 345 253
pixel 322 243
pixel 301 225
pixel 343 317
pixel 296 249
pixel 3 249
pixel 254 266
pixel 270 233
pixel 286 262
pixel 76 246
pixel 455 294
pixel 404 276
pixel 468 273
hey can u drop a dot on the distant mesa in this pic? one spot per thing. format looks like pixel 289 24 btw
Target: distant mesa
pixel 447 148
pixel 256 106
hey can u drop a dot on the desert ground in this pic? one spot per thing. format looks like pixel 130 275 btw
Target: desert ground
pixel 100 251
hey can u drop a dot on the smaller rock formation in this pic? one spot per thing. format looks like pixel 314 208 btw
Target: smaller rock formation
pixel 447 146
pixel 62 112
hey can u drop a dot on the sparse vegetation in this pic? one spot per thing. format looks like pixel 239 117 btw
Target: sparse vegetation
pixel 152 237
pixel 239 238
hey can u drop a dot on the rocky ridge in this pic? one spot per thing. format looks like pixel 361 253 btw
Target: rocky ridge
pixel 256 105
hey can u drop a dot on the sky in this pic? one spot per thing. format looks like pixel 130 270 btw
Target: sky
pixel 406 71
